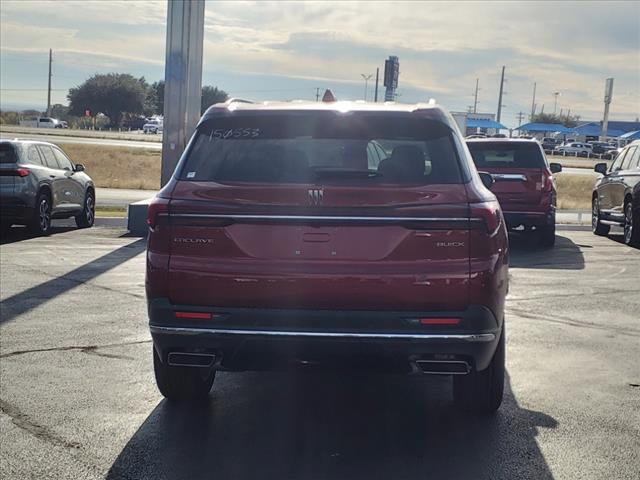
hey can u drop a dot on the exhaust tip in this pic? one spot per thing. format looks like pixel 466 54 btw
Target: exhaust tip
pixel 444 367
pixel 183 359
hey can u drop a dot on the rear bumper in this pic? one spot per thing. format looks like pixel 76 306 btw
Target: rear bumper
pixel 15 210
pixel 534 219
pixel 252 339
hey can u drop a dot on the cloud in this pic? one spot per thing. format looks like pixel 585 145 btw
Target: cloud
pixel 443 46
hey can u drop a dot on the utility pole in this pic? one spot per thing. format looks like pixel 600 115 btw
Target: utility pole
pixel 520 117
pixel 49 88
pixel 533 102
pixel 317 94
pixel 555 101
pixel 366 83
pixel 475 98
pixel 375 97
pixel 500 96
pixel 608 96
pixel 183 80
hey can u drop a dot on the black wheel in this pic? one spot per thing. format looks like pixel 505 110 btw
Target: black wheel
pixel 631 226
pixel 182 383
pixel 86 218
pixel 596 226
pixel 481 392
pixel 41 221
pixel 547 233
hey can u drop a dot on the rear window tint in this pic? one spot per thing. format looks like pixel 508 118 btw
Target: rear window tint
pixel 322 146
pixel 507 154
pixel 7 153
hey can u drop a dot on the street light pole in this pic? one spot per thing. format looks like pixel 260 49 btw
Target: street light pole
pixel 366 83
pixel 555 101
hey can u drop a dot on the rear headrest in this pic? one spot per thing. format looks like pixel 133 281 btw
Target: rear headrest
pixel 355 156
pixel 405 164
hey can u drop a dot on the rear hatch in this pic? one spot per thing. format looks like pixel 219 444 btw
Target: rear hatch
pixel 319 210
pixel 518 169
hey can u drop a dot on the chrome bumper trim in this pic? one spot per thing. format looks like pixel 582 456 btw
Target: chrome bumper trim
pixel 480 337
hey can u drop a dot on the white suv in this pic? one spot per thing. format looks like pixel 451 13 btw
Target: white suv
pixel 152 126
pixel 575 148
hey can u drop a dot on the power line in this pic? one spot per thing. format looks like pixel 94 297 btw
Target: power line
pixel 33 89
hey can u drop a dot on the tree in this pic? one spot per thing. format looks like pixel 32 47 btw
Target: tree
pixel 112 94
pixel 59 111
pixel 566 120
pixel 155 98
pixel 211 95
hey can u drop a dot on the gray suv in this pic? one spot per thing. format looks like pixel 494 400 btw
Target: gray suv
pixel 38 183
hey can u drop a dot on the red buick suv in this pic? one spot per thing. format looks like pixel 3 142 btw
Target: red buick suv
pixel 327 235
pixel 524 182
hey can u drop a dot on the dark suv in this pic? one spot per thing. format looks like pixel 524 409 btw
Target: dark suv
pixel 524 183
pixel 616 195
pixel 38 182
pixel 320 235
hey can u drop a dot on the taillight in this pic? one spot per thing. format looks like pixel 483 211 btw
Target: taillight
pixel 194 315
pixel 157 207
pixel 547 182
pixel 18 172
pixel 489 213
pixel 439 321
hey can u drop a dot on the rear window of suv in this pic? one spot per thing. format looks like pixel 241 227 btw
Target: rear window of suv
pixel 506 154
pixel 296 147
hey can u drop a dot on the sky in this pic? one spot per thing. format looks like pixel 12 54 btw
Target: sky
pixel 285 50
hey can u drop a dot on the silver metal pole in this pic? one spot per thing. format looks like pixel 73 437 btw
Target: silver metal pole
pixel 183 79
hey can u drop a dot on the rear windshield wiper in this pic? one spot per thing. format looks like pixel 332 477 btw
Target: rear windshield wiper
pixel 331 172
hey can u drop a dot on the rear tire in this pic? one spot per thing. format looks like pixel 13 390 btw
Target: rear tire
pixel 482 392
pixel 547 235
pixel 190 384
pixel 631 226
pixel 87 217
pixel 41 222
pixel 597 227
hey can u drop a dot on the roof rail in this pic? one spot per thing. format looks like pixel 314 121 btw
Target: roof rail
pixel 237 100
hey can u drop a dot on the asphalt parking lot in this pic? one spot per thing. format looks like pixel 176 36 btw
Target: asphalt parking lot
pixel 78 399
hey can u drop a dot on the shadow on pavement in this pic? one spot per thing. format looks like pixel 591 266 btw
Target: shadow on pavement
pixel 31 298
pixel 527 253
pixel 317 426
pixel 18 234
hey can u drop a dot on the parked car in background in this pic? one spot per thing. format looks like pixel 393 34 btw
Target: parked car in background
pixel 616 195
pixel 612 153
pixel 524 183
pixel 575 148
pixel 281 242
pixel 600 147
pixel 41 122
pixel 153 126
pixel 549 143
pixel 477 135
pixel 38 183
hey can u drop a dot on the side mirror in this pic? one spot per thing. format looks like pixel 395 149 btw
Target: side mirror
pixel 601 168
pixel 79 168
pixel 487 179
pixel 555 167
